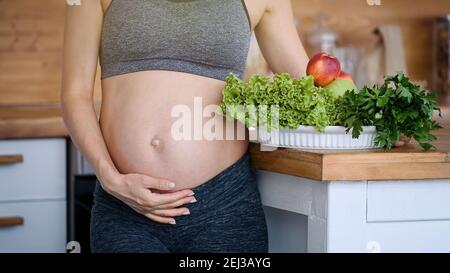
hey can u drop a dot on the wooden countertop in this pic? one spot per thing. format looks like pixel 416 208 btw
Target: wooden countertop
pixel 408 162
pixel 34 121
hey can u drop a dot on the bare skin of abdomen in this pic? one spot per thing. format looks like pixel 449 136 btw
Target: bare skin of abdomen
pixel 136 123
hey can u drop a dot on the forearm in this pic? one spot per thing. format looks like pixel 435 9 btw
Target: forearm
pixel 81 121
pixel 279 41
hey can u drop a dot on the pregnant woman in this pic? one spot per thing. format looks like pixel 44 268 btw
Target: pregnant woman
pixel 156 193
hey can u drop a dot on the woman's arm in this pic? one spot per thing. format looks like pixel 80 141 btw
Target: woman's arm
pixel 81 44
pixel 279 41
pixel 81 47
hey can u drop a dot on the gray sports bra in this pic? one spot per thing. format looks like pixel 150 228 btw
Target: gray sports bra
pixel 204 37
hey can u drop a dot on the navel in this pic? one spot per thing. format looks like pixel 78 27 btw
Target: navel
pixel 155 142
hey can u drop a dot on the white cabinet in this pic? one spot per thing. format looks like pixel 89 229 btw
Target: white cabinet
pixel 356 216
pixel 33 191
pixel 43 228
pixel 408 201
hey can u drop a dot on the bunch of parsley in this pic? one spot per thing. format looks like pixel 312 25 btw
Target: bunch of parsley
pixel 397 107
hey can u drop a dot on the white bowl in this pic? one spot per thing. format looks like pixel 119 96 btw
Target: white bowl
pixel 307 137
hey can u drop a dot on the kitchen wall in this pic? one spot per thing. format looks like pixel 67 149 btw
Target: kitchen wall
pixel 355 21
pixel 31 39
pixel 31 36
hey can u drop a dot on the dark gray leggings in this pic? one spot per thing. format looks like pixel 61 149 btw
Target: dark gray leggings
pixel 227 217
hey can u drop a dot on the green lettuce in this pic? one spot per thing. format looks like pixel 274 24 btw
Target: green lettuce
pixel 299 102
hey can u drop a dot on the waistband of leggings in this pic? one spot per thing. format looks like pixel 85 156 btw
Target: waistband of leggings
pixel 233 178
pixel 227 187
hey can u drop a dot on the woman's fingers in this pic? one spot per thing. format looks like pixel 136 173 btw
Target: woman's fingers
pixel 153 217
pixel 398 143
pixel 159 184
pixel 171 212
pixel 178 203
pixel 158 199
pixel 160 219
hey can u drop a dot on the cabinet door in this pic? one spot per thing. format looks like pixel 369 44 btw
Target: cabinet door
pixel 38 226
pixel 395 201
pixel 41 175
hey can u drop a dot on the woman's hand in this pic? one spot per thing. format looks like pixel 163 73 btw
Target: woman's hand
pixel 140 192
pixel 402 142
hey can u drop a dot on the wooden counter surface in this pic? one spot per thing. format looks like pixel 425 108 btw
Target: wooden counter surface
pixel 408 162
pixel 31 122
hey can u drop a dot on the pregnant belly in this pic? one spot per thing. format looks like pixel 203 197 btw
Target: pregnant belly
pixel 153 124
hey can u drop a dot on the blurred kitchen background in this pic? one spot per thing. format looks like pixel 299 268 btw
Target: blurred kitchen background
pixel 45 202
pixel 397 34
pixel 374 40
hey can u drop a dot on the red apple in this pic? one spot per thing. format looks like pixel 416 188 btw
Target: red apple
pixel 345 76
pixel 324 67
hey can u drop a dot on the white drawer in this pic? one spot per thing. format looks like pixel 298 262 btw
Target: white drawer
pixel 43 230
pixel 419 200
pixel 415 237
pixel 41 175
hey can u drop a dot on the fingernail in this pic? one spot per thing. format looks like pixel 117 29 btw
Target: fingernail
pixel 171 185
pixel 191 194
pixel 193 200
pixel 187 212
pixel 172 222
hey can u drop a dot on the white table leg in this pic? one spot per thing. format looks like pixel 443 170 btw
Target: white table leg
pixel 346 217
pixel 299 196
pixel 336 211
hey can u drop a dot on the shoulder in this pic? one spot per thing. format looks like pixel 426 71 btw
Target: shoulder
pixel 260 5
pixel 259 8
pixel 275 5
pixel 267 10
